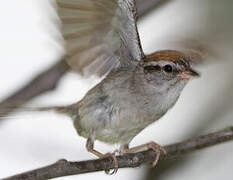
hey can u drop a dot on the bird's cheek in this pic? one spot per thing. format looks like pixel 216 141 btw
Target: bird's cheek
pixel 152 79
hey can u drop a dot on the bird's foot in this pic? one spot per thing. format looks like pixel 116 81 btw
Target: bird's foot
pixel 115 161
pixel 151 145
pixel 90 148
pixel 157 149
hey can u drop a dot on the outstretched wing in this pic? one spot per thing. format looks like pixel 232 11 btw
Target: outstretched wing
pixel 99 34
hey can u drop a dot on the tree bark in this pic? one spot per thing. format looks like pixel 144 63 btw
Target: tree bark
pixel 66 168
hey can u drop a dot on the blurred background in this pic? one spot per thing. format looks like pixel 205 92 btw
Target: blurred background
pixel 30 42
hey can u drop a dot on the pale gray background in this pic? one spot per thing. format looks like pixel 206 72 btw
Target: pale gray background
pixel 28 44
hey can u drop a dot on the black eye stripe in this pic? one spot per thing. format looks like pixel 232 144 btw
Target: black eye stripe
pixel 151 68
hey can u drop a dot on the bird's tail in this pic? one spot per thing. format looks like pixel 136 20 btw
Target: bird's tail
pixel 69 110
pixel 66 110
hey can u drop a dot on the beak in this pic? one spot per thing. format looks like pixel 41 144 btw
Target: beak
pixel 188 74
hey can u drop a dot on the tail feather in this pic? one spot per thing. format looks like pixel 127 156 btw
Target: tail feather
pixel 68 110
pixel 65 110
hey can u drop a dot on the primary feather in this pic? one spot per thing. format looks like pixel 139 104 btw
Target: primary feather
pixel 99 34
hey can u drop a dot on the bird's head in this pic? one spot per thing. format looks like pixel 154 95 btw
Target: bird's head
pixel 167 68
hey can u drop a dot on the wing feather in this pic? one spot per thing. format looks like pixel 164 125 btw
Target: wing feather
pixel 98 33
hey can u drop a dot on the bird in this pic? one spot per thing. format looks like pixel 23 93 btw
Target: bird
pixel 102 39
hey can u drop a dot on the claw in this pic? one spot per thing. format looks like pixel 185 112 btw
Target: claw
pixel 157 149
pixel 90 148
pixel 152 145
pixel 113 155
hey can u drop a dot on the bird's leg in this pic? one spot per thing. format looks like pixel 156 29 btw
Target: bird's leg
pixel 90 148
pixel 151 145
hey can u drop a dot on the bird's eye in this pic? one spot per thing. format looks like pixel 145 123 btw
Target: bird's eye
pixel 150 69
pixel 168 68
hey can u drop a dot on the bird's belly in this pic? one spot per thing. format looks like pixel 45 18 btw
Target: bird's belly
pixel 116 135
pixel 115 124
pixel 124 129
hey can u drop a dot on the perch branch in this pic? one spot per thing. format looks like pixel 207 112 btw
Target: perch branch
pixel 66 168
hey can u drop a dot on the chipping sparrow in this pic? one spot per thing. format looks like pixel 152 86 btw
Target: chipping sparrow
pixel 102 39
pixel 129 99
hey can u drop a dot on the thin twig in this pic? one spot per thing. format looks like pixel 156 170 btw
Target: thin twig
pixel 66 168
pixel 44 82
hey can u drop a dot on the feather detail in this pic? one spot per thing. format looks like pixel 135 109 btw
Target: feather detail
pixel 166 55
pixel 97 33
